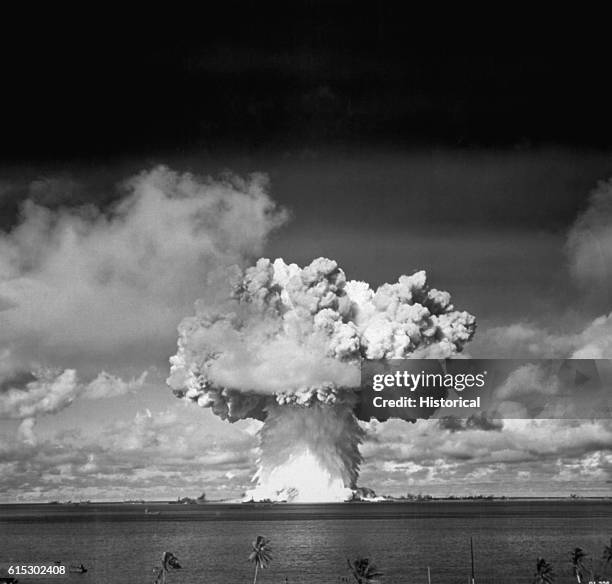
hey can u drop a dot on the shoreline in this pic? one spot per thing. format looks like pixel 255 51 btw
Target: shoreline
pixel 261 504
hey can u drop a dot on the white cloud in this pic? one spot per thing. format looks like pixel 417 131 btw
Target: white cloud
pixel 111 286
pixel 44 395
pixel 106 385
pixel 161 454
pixel 86 293
pixel 26 395
pixel 424 457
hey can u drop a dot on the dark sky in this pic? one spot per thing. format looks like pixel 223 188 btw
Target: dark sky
pixel 391 154
pixel 252 75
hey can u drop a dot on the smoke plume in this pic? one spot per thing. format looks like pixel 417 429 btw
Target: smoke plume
pixel 286 349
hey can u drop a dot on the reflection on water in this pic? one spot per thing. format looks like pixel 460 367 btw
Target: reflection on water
pixel 119 543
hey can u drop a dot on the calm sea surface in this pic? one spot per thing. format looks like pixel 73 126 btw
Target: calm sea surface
pixel 120 543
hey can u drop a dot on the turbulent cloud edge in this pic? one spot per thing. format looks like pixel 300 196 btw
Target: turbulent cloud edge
pixel 291 335
pixel 286 350
pixel 87 280
pixel 48 392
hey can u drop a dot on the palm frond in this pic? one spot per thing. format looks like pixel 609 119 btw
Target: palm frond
pixel 544 573
pixel 364 571
pixel 577 557
pixel 262 552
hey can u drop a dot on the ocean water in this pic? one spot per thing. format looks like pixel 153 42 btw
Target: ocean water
pixel 310 543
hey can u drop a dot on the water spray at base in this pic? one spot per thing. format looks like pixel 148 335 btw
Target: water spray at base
pixel 314 447
pixel 286 349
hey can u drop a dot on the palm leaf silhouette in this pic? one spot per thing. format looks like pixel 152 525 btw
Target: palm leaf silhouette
pixel 577 557
pixel 261 555
pixel 364 571
pixel 169 561
pixel 544 573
